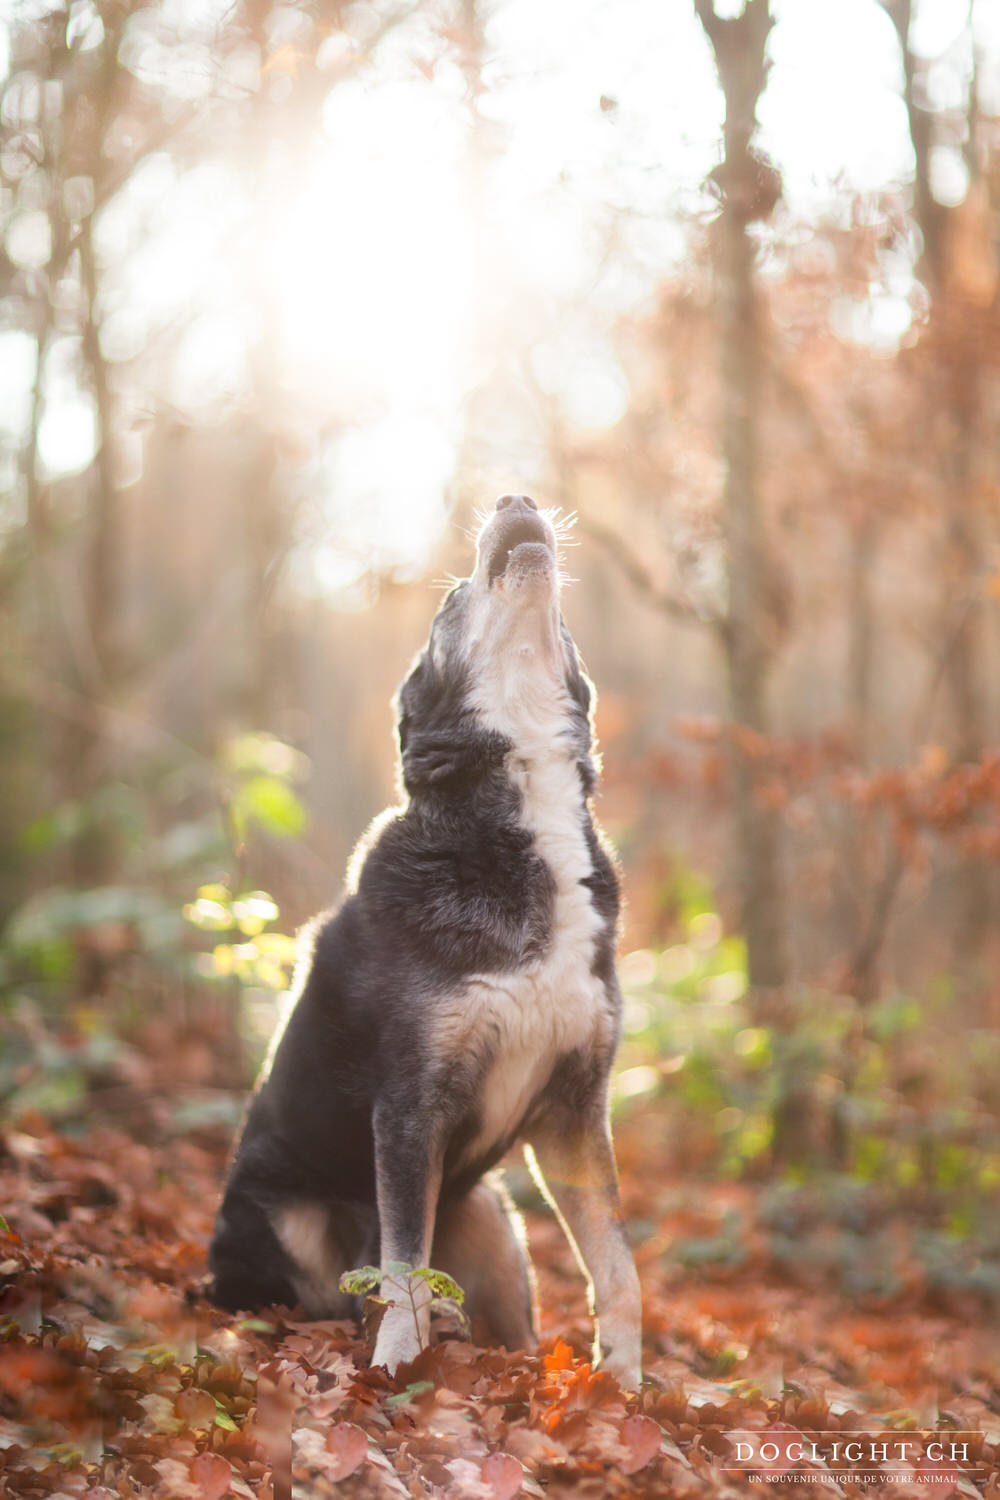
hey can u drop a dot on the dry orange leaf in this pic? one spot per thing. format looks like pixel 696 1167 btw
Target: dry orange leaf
pixel 196 1408
pixel 642 1437
pixel 939 1476
pixel 349 1447
pixel 561 1358
pixel 212 1474
pixel 504 1475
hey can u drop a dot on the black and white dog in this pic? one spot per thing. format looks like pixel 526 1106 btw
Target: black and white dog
pixel 463 997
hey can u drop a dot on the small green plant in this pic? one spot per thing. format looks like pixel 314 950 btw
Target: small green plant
pixel 256 786
pixel 84 966
pixel 196 823
pixel 447 1297
pixel 250 953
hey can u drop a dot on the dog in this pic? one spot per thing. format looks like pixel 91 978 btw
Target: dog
pixel 462 998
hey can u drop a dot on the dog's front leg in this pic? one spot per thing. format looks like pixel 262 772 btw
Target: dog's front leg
pixel 407 1180
pixel 573 1162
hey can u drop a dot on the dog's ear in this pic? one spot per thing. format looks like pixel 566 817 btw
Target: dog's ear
pixel 409 698
pixel 439 741
pixel 439 757
pixel 578 683
pixel 582 692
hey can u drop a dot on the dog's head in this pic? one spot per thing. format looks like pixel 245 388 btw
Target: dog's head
pixel 500 667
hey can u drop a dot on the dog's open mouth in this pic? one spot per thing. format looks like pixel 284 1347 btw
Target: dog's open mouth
pixel 523 546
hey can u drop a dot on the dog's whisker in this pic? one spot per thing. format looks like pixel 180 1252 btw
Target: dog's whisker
pixel 559 521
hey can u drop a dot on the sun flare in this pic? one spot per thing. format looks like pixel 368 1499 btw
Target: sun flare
pixel 371 260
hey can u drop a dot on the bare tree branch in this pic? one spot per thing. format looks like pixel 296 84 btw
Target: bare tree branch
pixel 637 573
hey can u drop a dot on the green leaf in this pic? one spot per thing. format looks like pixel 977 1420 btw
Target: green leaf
pixel 256 1325
pixel 253 912
pixel 270 803
pixel 453 1312
pixel 416 1389
pixel 223 1419
pixel 246 753
pixel 208 914
pixel 363 1279
pixel 441 1284
pixel 43 834
pixel 193 844
pixel 57 912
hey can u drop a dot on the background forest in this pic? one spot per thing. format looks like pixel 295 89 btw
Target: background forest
pixel 287 291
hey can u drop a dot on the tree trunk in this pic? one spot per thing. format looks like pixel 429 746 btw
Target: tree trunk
pixel 94 851
pixel 747 186
pixel 862 629
pixel 965 671
pixel 861 901
pixel 957 391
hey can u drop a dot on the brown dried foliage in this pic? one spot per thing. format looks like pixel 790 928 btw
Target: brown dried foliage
pixel 117 1379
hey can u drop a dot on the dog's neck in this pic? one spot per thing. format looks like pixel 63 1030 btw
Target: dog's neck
pixel 521 694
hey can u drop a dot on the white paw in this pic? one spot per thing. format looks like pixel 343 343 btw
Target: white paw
pixel 627 1372
pixel 395 1346
pixel 622 1358
pixel 405 1326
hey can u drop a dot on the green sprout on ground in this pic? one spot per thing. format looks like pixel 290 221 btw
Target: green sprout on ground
pixel 447 1297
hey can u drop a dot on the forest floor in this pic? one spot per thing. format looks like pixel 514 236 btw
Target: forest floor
pixel 117 1379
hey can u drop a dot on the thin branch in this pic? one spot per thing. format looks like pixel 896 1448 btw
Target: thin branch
pixel 641 578
pixel 611 541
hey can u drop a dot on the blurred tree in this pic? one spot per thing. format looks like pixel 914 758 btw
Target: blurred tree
pixel 163 577
pixel 132 581
pixel 960 244
pixel 749 188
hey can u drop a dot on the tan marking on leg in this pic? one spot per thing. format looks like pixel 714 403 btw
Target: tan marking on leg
pixel 304 1231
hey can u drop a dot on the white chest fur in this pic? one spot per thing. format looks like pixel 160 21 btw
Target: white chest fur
pixel 527 1019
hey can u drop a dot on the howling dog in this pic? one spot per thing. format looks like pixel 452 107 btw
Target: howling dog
pixel 462 998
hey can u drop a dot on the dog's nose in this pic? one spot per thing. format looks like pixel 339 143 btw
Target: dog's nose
pixel 524 500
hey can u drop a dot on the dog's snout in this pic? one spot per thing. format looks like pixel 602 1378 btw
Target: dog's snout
pixel 524 501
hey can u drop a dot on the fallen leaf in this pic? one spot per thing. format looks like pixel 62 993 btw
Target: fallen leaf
pixel 938 1476
pixel 561 1358
pixel 349 1447
pixel 212 1474
pixel 642 1437
pixel 196 1408
pixel 504 1475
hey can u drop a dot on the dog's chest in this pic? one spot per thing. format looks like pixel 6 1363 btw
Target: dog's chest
pixel 522 1022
